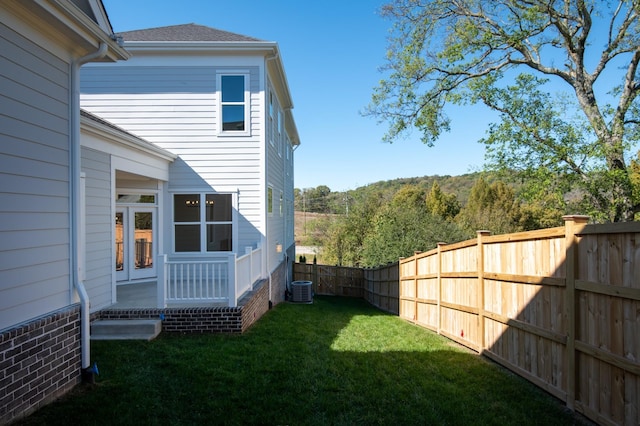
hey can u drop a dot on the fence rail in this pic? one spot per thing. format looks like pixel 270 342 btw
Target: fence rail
pixel 379 286
pixel 559 306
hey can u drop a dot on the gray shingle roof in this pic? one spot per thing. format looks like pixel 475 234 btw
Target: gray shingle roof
pixel 186 32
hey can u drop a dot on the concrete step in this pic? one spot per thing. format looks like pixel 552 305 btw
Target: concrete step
pixel 131 329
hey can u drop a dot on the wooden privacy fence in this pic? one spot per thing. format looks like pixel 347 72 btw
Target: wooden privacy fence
pixel 331 280
pixel 560 307
pixel 379 286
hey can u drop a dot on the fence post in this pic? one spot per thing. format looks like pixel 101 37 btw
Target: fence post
pixel 314 276
pixel 415 285
pixel 439 284
pixel 571 223
pixel 480 269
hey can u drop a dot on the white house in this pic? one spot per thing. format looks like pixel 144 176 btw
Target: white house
pixel 168 196
pixel 223 217
pixel 43 306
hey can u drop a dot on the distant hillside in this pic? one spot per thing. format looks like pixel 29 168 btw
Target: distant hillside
pixel 322 200
pixel 459 185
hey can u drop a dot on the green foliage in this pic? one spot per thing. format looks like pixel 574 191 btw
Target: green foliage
pixel 503 54
pixel 315 231
pixel 492 207
pixel 345 239
pixel 440 204
pixel 392 219
pixel 399 230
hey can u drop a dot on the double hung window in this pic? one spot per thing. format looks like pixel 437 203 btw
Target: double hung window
pixel 203 222
pixel 234 103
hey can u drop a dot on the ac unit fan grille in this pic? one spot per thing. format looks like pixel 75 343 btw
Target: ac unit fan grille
pixel 301 292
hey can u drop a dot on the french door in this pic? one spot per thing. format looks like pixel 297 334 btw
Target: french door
pixel 135 243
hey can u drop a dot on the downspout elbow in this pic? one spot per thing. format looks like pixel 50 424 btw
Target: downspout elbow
pixel 98 54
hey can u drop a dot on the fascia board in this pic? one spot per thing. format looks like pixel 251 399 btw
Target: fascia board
pixel 241 47
pixel 66 19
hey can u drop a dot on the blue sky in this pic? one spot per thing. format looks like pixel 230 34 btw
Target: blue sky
pixel 332 51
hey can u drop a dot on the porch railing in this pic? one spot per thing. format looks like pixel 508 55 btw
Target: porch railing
pixel 222 279
pixel 248 270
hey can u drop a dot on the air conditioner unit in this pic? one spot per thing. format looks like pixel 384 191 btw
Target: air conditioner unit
pixel 301 292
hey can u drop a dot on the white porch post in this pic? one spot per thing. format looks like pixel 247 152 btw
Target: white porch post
pixel 233 285
pixel 162 283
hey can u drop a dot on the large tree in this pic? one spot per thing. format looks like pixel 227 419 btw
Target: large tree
pixel 499 52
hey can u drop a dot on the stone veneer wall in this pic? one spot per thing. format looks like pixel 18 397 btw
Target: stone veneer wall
pixel 39 362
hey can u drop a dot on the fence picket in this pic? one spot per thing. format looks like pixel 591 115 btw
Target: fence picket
pixel 557 306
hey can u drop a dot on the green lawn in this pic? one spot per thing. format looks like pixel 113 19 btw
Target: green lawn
pixel 336 361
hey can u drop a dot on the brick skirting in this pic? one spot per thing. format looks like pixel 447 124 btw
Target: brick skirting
pixel 39 362
pixel 251 307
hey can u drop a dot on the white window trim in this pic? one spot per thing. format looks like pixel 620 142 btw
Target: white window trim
pixel 203 224
pixel 271 107
pixel 270 200
pixel 247 103
pixel 279 118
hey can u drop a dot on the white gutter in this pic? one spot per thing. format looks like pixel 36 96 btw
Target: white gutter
pixel 75 198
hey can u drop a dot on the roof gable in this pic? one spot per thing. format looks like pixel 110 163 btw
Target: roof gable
pixel 94 9
pixel 186 32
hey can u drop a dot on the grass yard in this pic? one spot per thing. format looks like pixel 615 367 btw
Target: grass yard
pixel 337 361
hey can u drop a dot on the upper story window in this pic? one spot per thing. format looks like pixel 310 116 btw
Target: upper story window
pixel 279 134
pixel 271 119
pixel 234 103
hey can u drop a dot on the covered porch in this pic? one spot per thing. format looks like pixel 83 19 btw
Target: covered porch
pixel 254 297
pixel 220 281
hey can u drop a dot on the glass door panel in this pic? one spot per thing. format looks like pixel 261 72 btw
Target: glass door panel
pixel 134 243
pixel 143 234
pixel 121 263
pixel 142 241
pixel 119 241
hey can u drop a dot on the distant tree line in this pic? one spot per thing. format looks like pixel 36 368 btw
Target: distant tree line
pixel 382 222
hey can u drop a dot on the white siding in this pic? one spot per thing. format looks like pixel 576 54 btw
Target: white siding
pixel 276 180
pixel 175 107
pixel 34 180
pixel 98 224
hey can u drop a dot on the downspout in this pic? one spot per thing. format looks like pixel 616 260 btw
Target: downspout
pixel 88 373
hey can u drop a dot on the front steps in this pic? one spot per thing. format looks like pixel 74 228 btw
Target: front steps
pixel 126 329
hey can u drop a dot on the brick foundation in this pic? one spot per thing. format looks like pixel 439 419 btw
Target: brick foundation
pixel 39 362
pixel 251 307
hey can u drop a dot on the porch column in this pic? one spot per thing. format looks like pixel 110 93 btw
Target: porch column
pixel 232 264
pixel 161 285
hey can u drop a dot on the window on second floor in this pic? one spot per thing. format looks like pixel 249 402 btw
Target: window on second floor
pixel 233 103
